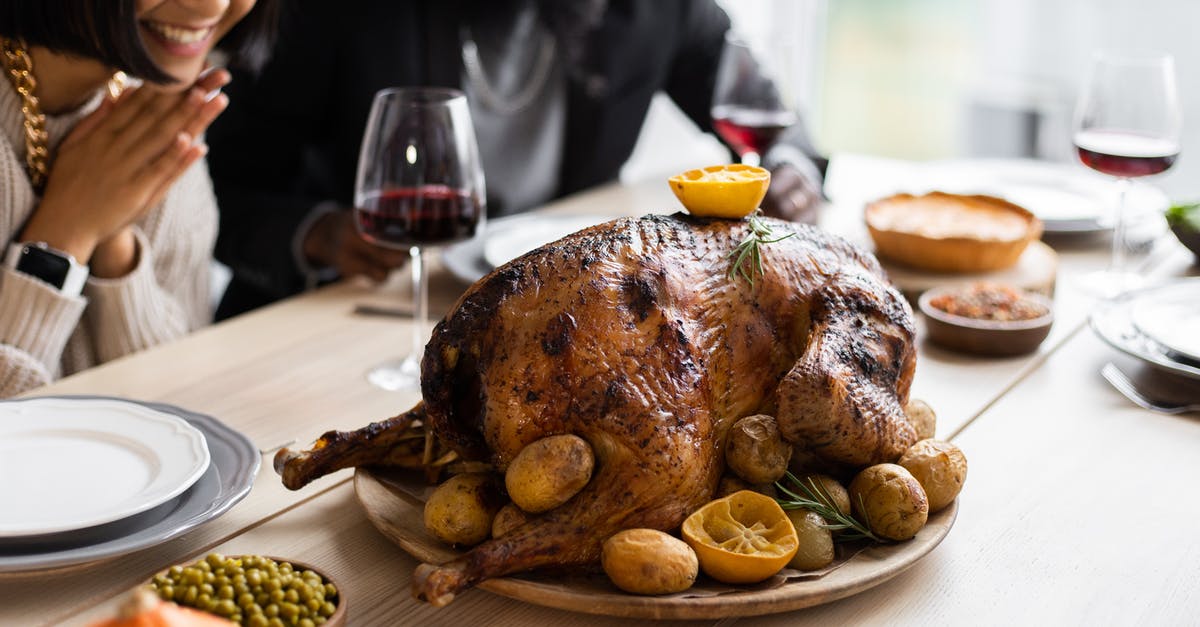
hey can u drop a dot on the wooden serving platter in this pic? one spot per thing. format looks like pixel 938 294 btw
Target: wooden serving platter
pixel 394 502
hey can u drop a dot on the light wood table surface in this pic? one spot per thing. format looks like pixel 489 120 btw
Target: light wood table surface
pixel 1078 506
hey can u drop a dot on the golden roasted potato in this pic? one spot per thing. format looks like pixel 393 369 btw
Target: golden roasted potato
pixel 835 490
pixel 922 417
pixel 756 451
pixel 890 501
pixel 941 468
pixel 731 483
pixel 816 541
pixel 548 472
pixel 508 518
pixel 460 511
pixel 648 561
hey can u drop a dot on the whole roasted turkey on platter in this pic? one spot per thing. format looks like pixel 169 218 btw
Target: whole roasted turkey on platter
pixel 635 336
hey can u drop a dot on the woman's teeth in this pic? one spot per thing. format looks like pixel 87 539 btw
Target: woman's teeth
pixel 179 35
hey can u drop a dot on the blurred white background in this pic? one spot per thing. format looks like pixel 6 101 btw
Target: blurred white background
pixel 934 79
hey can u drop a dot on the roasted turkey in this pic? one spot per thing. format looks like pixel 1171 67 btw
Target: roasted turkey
pixel 636 336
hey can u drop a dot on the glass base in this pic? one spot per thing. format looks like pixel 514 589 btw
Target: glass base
pixel 399 375
pixel 1110 284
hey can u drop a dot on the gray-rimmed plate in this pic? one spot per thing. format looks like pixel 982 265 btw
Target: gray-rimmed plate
pixel 1114 323
pixel 230 475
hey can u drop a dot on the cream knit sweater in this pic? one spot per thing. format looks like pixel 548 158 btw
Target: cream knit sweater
pixel 44 334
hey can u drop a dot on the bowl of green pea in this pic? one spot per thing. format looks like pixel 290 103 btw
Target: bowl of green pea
pixel 255 590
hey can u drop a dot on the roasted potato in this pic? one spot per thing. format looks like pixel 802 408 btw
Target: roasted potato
pixel 508 518
pixel 890 501
pixel 460 511
pixel 941 468
pixel 836 491
pixel 921 417
pixel 648 561
pixel 548 472
pixel 816 541
pixel 731 483
pixel 756 451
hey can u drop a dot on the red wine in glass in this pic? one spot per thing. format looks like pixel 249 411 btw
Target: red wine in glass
pixel 429 215
pixel 750 130
pixel 1124 154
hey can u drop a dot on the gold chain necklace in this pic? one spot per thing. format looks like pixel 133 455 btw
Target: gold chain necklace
pixel 19 69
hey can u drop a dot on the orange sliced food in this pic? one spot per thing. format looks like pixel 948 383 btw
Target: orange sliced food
pixel 721 191
pixel 742 538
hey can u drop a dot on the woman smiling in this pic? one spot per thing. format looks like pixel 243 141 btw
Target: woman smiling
pixel 106 208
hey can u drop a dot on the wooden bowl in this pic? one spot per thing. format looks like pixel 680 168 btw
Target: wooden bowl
pixel 951 232
pixel 993 338
pixel 337 619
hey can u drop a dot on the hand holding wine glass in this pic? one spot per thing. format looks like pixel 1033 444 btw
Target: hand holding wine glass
pixel 420 184
pixel 1127 124
pixel 747 111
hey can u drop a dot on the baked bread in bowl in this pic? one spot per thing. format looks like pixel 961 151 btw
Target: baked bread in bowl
pixel 954 233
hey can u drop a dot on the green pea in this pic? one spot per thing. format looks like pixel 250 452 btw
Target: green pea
pixel 276 596
pixel 313 605
pixel 167 592
pixel 307 622
pixel 206 588
pixel 291 596
pixel 289 610
pixel 271 610
pixel 257 620
pixel 225 592
pixel 275 622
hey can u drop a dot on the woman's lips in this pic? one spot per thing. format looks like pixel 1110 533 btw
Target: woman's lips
pixel 179 40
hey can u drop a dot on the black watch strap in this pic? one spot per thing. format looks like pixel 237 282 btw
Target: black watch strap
pixel 50 265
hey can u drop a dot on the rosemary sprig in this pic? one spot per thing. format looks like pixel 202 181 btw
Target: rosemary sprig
pixel 748 250
pixel 813 496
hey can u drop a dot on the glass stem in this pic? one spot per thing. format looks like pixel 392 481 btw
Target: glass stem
pixel 1120 247
pixel 420 308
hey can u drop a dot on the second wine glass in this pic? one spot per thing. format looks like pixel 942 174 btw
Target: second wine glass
pixel 747 111
pixel 1127 125
pixel 419 185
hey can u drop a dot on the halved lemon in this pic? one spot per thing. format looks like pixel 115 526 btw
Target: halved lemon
pixel 742 538
pixel 721 191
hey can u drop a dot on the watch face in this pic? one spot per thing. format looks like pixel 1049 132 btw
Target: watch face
pixel 44 265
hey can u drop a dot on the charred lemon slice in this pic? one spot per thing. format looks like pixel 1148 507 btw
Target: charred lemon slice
pixel 742 538
pixel 721 191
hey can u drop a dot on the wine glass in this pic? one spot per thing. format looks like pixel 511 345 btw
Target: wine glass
pixel 419 185
pixel 747 110
pixel 1127 124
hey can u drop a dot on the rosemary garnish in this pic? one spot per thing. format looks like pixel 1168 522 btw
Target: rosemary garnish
pixel 813 496
pixel 747 252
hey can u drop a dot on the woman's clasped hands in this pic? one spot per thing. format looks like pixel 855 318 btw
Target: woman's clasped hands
pixel 119 162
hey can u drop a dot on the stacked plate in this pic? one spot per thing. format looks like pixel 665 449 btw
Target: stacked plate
pixel 1159 325
pixel 89 478
pixel 507 238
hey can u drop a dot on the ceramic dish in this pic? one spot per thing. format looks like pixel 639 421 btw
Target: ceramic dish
pixel 69 464
pixel 337 619
pixel 1113 322
pixel 1170 315
pixel 994 338
pixel 228 479
pixel 506 238
pixel 953 233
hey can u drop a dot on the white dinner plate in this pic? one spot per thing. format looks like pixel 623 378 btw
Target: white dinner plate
pixel 1170 315
pixel 230 475
pixel 1113 321
pixel 509 237
pixel 68 464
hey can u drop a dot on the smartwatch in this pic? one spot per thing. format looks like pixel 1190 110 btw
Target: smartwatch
pixel 50 265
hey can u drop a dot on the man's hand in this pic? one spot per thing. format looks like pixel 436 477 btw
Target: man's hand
pixel 792 195
pixel 333 242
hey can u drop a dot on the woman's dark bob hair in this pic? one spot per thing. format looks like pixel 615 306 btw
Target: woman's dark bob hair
pixel 107 30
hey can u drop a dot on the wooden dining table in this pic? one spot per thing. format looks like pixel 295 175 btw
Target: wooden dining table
pixel 1078 506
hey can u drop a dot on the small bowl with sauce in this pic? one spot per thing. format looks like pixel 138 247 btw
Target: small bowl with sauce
pixel 986 318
